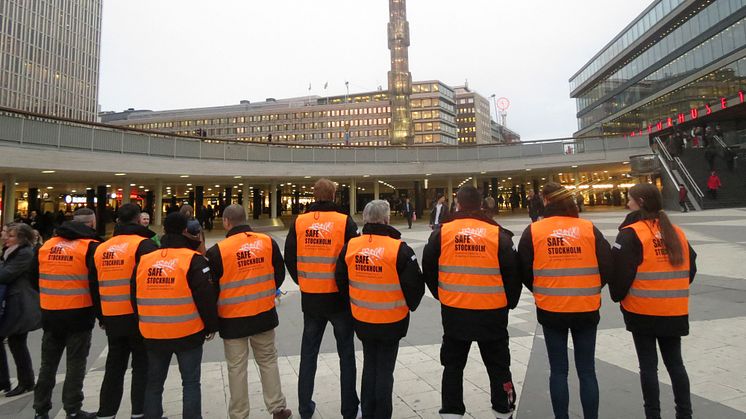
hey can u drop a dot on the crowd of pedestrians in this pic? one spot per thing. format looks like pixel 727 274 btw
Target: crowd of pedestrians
pixel 159 300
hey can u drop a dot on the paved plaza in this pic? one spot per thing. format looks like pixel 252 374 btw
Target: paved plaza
pixel 714 351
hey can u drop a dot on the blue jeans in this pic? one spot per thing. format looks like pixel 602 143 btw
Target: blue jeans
pixel 584 344
pixel 313 332
pixel 190 363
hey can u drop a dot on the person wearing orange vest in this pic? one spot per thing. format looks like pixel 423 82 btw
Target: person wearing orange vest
pixel 312 246
pixel 115 262
pixel 566 261
pixel 66 276
pixel 247 268
pixel 654 266
pixel 379 275
pixel 176 307
pixel 469 265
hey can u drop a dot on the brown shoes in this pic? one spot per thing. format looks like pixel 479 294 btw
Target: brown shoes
pixel 282 414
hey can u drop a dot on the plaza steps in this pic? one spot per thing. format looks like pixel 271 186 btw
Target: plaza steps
pixel 733 190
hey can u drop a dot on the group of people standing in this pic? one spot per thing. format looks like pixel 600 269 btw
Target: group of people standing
pixel 158 302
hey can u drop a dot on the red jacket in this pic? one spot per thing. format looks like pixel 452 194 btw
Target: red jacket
pixel 682 194
pixel 713 182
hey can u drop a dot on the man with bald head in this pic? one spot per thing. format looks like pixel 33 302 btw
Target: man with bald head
pixel 311 250
pixel 248 268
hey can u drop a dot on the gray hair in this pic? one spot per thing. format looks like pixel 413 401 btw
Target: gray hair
pixel 84 215
pixel 24 233
pixel 235 214
pixel 377 212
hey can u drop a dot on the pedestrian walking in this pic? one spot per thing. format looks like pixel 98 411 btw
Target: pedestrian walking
pixel 713 184
pixel 66 274
pixel 177 312
pixel 535 206
pixel 682 198
pixel 248 269
pixel 115 262
pixel 654 266
pixel 22 314
pixel 566 261
pixel 439 212
pixel 312 246
pixel 407 211
pixel 470 266
pixel 378 275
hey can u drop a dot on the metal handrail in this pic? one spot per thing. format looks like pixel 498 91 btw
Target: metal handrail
pixel 662 147
pixel 688 176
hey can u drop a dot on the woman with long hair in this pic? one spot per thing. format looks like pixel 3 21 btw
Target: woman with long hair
pixel 22 312
pixel 566 261
pixel 654 265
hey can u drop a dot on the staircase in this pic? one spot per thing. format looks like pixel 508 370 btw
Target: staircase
pixel 732 173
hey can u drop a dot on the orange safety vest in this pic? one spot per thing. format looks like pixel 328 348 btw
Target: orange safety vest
pixel 468 268
pixel 63 274
pixel 115 263
pixel 320 237
pixel 165 303
pixel 659 288
pixel 566 278
pixel 375 292
pixel 247 286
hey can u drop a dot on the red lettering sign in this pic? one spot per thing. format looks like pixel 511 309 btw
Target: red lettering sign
pixel 632 134
pixel 669 122
pixel 740 95
pixel 660 125
pixel 650 129
pixel 708 109
pixel 681 118
pixel 694 113
pixel 723 103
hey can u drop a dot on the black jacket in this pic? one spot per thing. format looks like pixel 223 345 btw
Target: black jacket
pixel 627 256
pixel 234 328
pixel 564 320
pixel 203 293
pixel 62 322
pixel 125 325
pixel 410 280
pixel 22 312
pixel 442 216
pixel 317 304
pixel 473 325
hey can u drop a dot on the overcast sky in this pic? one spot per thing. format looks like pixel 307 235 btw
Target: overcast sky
pixel 169 54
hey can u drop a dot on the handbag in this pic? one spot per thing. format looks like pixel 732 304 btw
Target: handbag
pixel 414 216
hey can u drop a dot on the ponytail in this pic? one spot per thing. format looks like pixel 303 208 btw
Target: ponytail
pixel 671 239
pixel 649 199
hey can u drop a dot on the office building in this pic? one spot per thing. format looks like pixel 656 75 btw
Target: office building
pixel 473 117
pixel 49 57
pixel 678 61
pixel 355 119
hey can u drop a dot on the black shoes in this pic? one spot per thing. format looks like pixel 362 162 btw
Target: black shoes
pixel 81 414
pixel 18 391
pixel 41 416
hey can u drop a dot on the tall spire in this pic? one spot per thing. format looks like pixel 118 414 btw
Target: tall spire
pixel 400 80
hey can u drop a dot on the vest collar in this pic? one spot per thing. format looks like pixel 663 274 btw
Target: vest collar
pixel 381 230
pixel 245 228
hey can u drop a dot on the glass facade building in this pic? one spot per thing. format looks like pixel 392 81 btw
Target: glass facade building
pixel 49 57
pixel 682 55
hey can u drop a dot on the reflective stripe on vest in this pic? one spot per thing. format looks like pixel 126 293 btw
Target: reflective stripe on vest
pixel 375 292
pixel 63 274
pixel 468 268
pixel 566 277
pixel 659 288
pixel 164 296
pixel 320 237
pixel 115 264
pixel 247 287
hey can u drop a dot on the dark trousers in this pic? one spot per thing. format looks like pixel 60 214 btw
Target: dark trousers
pixel 22 358
pixel 117 361
pixel 584 345
pixel 496 357
pixel 379 360
pixel 190 365
pixel 313 332
pixel 77 346
pixel 409 220
pixel 648 356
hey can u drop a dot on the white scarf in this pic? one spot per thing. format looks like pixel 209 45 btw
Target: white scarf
pixel 9 250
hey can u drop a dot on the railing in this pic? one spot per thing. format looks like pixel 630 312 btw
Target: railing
pixel 38 130
pixel 666 160
pixel 688 176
